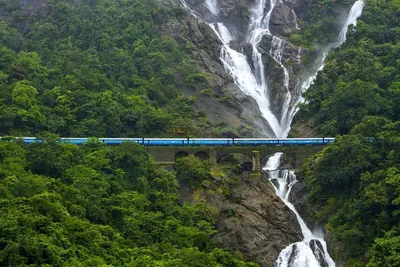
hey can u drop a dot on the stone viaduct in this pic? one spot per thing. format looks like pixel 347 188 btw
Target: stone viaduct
pixel 294 155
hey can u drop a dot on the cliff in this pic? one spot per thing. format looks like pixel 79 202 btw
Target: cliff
pixel 299 33
pixel 252 219
pixel 226 104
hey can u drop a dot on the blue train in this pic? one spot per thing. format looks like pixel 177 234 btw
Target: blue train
pixel 197 141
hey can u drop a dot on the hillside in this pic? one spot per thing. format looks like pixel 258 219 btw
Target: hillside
pixel 174 68
pixel 354 184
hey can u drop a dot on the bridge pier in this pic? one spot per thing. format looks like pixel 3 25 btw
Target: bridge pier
pixel 256 161
pixel 213 156
pixel 294 155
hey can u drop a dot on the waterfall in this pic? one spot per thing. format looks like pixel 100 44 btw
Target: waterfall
pixel 299 56
pixel 212 6
pixel 312 250
pixel 355 13
pixel 296 21
pixel 251 79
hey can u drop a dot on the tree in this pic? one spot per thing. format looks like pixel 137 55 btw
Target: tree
pixel 192 170
pixel 350 103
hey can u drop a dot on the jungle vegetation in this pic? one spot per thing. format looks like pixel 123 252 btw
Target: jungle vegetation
pixel 94 68
pixel 354 184
pixel 92 205
pixel 103 68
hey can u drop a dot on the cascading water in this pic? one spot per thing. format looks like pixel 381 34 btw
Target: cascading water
pixel 312 250
pixel 355 13
pixel 212 6
pixel 251 79
pixel 296 21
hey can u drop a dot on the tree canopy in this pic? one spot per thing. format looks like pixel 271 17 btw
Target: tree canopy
pixel 94 68
pixel 91 205
pixel 353 184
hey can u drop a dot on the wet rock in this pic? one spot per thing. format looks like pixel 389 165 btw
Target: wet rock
pixel 254 221
pixel 236 14
pixel 317 249
pixel 217 178
pixel 293 3
pixel 248 108
pixel 248 49
pixel 275 82
pixel 236 45
pixel 281 15
pixel 283 20
pixel 229 105
pixel 298 197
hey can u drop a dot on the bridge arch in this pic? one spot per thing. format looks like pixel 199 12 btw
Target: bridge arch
pixel 181 154
pixel 234 157
pixel 202 155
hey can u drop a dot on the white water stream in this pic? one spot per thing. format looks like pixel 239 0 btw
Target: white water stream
pixel 354 14
pixel 312 250
pixel 252 79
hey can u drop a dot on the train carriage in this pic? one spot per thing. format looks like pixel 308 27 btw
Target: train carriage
pixel 255 141
pixel 165 141
pixel 210 141
pixel 195 141
pixel 76 141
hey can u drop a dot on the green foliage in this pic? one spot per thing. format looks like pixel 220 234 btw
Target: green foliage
pixel 93 68
pixel 354 188
pixel 360 78
pixel 353 184
pixel 386 251
pixel 91 205
pixel 193 170
pixel 320 24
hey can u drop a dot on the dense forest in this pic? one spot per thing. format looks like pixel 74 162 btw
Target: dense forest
pixel 91 205
pixel 104 68
pixel 354 184
pixel 95 68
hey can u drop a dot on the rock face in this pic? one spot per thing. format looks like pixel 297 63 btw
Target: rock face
pixel 254 221
pixel 281 58
pixel 298 197
pixel 229 105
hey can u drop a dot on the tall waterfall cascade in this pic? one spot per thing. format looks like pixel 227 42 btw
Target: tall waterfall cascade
pixel 248 71
pixel 312 251
pixel 249 74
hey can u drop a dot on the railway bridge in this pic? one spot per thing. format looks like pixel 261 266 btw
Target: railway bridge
pixel 294 156
pixel 254 151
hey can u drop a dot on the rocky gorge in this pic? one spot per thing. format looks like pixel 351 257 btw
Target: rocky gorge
pixel 253 219
pixel 261 228
pixel 288 58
